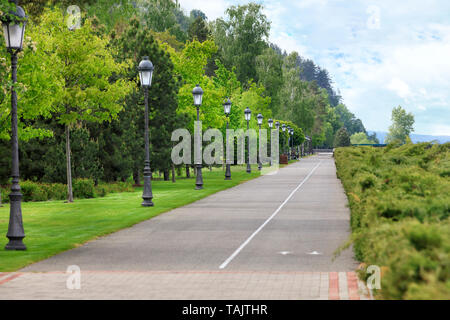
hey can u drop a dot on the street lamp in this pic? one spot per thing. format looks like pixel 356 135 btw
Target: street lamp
pixel 14 32
pixel 145 75
pixel 248 115
pixel 292 139
pixel 270 122
pixel 277 125
pixel 260 119
pixel 283 128
pixel 227 110
pixel 198 94
pixel 289 142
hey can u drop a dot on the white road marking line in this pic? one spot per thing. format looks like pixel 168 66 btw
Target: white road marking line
pixel 235 253
pixel 315 253
pixel 285 252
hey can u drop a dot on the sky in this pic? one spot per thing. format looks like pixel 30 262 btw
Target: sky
pixel 380 54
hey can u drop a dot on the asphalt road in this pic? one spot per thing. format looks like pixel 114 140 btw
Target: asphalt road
pixel 292 221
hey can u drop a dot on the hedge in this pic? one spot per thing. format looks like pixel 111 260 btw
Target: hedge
pixel 82 189
pixel 400 205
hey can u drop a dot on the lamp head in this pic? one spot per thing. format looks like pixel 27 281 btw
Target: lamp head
pixel 146 72
pixel 198 94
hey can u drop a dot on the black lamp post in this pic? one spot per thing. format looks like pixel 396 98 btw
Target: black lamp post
pixel 270 122
pixel 283 128
pixel 198 94
pixel 227 110
pixel 289 142
pixel 14 32
pixel 248 115
pixel 146 74
pixel 260 119
pixel 291 132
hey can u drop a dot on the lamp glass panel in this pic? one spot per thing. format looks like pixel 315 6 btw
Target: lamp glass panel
pixel 15 37
pixel 197 99
pixel 146 78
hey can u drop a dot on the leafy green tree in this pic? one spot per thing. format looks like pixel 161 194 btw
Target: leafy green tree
pixel 136 42
pixel 402 125
pixel 241 37
pixel 37 87
pixel 269 70
pixel 110 13
pixel 295 96
pixel 342 138
pixel 162 15
pixel 189 66
pixel 360 138
pixel 85 65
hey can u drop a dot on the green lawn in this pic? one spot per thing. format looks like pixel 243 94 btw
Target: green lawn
pixel 54 226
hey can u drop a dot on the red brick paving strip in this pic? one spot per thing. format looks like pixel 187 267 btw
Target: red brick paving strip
pixel 3 274
pixel 352 286
pixel 333 292
pixel 14 276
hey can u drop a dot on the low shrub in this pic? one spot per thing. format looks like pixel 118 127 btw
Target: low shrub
pixel 82 189
pixel 400 206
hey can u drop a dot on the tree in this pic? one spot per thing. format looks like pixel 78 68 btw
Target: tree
pixel 360 138
pixel 342 138
pixel 373 137
pixel 162 15
pixel 136 42
pixel 198 30
pixel 196 14
pixel 269 70
pixel 402 125
pixel 295 96
pixel 351 123
pixel 37 87
pixel 85 66
pixel 241 37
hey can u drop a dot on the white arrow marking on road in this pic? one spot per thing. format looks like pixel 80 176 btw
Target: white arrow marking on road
pixel 314 253
pixel 285 252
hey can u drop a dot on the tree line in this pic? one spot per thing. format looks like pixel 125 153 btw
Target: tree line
pixel 81 106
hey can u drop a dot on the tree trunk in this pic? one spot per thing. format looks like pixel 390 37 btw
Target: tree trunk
pixel 188 172
pixel 166 174
pixel 69 167
pixel 1 205
pixel 137 178
pixel 173 173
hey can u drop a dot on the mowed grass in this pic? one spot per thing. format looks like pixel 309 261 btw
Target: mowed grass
pixel 54 226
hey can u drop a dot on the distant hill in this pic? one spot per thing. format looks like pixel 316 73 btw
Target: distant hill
pixel 414 137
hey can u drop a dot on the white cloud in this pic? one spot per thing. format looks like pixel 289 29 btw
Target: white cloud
pixel 399 87
pixel 402 57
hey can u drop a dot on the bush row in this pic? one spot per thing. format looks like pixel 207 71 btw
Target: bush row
pixel 82 189
pixel 400 202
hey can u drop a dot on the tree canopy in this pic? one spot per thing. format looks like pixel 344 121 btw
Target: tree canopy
pixel 86 80
pixel 402 125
